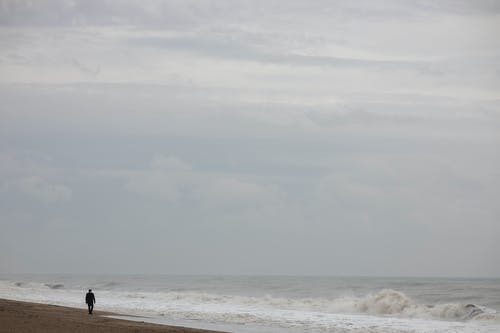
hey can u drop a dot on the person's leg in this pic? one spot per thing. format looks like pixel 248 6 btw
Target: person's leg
pixel 89 305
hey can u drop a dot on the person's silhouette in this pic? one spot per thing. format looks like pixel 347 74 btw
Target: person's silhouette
pixel 90 300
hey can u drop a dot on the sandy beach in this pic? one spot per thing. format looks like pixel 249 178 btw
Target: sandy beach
pixel 22 317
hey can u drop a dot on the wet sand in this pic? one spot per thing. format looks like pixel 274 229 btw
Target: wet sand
pixel 20 317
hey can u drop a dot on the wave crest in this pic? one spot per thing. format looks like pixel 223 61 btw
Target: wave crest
pixel 392 302
pixel 384 302
pixel 55 285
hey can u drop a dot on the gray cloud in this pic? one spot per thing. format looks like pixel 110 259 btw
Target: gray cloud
pixel 33 177
pixel 41 189
pixel 182 13
pixel 233 50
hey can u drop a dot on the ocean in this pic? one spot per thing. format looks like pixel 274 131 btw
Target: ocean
pixel 263 304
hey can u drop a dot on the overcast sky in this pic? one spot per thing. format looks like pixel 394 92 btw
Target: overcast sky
pixel 250 137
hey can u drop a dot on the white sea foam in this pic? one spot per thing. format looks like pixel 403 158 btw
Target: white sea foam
pixel 383 311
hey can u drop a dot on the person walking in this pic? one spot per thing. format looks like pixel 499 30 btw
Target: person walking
pixel 90 300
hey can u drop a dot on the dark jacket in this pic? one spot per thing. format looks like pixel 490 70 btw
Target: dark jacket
pixel 90 298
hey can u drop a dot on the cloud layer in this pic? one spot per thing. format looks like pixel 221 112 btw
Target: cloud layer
pixel 271 137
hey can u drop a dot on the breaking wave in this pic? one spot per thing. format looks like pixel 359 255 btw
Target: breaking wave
pixel 391 302
pixel 108 285
pixel 55 285
pixel 386 303
pixel 383 303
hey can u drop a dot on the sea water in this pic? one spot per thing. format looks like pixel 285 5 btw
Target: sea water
pixel 278 304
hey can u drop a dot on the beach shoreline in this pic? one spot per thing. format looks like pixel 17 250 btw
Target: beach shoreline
pixel 20 317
